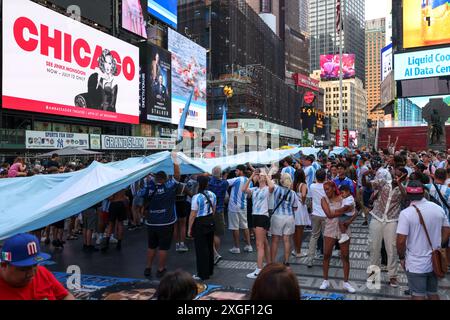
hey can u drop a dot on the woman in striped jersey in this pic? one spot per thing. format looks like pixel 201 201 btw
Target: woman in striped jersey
pixel 260 196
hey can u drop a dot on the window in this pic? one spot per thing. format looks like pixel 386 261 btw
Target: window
pixel 266 6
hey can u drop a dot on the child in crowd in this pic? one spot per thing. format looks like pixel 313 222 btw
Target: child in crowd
pixel 348 202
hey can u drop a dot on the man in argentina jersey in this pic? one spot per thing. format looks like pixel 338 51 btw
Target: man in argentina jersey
pixel 237 210
pixel 316 165
pixel 287 167
pixel 310 171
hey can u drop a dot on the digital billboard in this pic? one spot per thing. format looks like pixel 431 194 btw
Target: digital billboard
pixel 133 17
pixel 157 81
pixel 98 11
pixel 422 64
pixel 386 61
pixel 330 64
pixel 188 73
pixel 66 68
pixel 164 10
pixel 425 23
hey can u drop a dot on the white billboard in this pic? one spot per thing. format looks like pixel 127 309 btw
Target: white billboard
pixel 54 64
pixel 136 143
pixel 188 73
pixel 422 64
pixel 386 61
pixel 55 140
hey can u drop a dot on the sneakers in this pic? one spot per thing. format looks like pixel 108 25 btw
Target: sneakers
pixel 99 240
pixel 347 286
pixel 132 227
pixel 297 255
pixel 393 282
pixel 182 247
pixel 344 238
pixel 335 254
pixel 235 250
pixel 113 240
pixel 254 274
pixel 161 273
pixel 217 259
pixel 248 249
pixel 325 284
pixel 177 247
pixel 148 272
pixel 319 255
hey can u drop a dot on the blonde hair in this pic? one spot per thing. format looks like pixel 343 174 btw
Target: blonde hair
pixel 286 180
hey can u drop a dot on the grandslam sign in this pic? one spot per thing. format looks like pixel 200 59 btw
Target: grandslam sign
pixel 54 64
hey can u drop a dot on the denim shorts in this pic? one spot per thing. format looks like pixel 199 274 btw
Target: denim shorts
pixel 422 284
pixel 344 218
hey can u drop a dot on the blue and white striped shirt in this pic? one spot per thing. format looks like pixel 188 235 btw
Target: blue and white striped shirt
pixel 260 198
pixel 290 171
pixel 238 199
pixel 445 192
pixel 286 208
pixel 201 204
pixel 310 174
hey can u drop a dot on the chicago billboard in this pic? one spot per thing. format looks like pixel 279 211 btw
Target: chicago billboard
pixel 56 65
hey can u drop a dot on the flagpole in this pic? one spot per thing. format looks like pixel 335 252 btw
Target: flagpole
pixel 341 124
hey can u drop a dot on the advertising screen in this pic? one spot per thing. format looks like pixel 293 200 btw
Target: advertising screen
pixel 188 73
pixel 66 68
pixel 329 66
pixel 425 23
pixel 422 64
pixel 99 11
pixel 164 10
pixel 157 80
pixel 353 139
pixel 386 61
pixel 133 17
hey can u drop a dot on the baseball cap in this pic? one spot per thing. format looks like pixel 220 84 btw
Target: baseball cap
pixel 23 250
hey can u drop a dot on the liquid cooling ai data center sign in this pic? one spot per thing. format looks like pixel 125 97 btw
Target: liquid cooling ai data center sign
pixel 422 64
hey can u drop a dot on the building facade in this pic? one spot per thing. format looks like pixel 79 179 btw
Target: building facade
pixel 354 112
pixel 375 41
pixel 325 40
pixel 407 113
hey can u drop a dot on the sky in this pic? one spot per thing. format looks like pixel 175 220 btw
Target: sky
pixel 375 9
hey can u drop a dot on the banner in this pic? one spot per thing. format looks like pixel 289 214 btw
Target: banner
pixel 156 84
pixel 95 141
pixel 422 64
pixel 188 73
pixel 56 65
pixel 306 82
pixel 136 143
pixel 55 140
pixel 386 61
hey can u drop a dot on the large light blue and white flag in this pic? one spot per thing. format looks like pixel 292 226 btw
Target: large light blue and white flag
pixel 183 118
pixel 224 132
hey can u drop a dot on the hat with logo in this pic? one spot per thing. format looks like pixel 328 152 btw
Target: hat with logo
pixel 23 250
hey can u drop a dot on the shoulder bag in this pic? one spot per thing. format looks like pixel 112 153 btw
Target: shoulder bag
pixel 438 256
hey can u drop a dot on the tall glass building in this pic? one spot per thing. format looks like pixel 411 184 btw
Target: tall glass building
pixel 325 40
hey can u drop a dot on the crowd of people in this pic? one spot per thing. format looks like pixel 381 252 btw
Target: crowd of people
pixel 403 198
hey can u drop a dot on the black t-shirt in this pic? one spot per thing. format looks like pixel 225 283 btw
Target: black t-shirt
pixel 52 163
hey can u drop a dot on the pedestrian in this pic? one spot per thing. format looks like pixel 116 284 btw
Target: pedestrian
pixel 237 210
pixel 218 186
pixel 260 194
pixel 21 277
pixel 302 218
pixel 383 224
pixel 161 217
pixel 317 192
pixel 201 228
pixel 177 285
pixel 286 163
pixel 183 209
pixel 342 179
pixel 309 169
pixel 90 219
pixel 137 207
pixel 332 206
pixel 275 282
pixel 282 223
pixel 18 169
pixel 422 228
pixel 118 207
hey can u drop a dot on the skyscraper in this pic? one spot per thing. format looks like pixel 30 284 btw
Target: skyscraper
pixel 325 40
pixel 375 40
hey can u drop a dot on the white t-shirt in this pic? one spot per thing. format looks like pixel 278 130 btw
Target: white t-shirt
pixel 317 192
pixel 349 201
pixel 418 250
pixel 260 198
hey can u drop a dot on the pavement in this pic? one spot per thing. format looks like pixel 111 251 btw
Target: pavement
pixel 231 271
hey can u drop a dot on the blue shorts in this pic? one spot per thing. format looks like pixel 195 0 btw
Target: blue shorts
pixel 344 218
pixel 422 284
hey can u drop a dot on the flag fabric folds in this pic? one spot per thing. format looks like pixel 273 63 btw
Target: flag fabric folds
pixel 183 118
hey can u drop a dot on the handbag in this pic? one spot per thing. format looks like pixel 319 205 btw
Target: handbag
pixel 438 256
